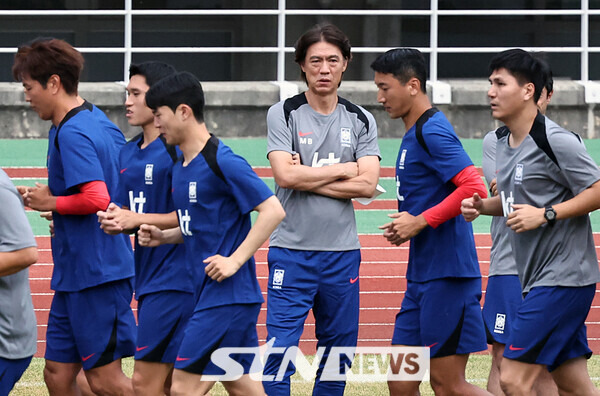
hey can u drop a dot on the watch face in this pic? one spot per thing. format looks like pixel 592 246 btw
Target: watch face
pixel 550 214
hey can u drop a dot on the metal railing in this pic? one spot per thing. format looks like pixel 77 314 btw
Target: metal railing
pixel 434 13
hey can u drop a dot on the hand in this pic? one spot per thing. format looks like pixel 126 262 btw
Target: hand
pixel 404 227
pixel 22 190
pixel 296 159
pixel 525 218
pixel 494 187
pixel 115 219
pixel 220 268
pixel 46 215
pixel 149 236
pixel 107 221
pixel 40 198
pixel 471 207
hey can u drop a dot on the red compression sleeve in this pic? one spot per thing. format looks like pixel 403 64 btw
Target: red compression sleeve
pixel 467 182
pixel 92 197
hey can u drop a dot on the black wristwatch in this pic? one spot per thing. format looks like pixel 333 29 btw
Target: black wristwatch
pixel 550 215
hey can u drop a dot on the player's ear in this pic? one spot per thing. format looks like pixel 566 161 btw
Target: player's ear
pixel 414 85
pixel 528 91
pixel 53 83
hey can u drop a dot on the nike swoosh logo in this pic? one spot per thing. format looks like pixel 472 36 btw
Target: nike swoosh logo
pixel 432 345
pixel 353 280
pixel 141 348
pixel 302 134
pixel 84 358
pixel 123 170
pixel 512 348
pixel 180 359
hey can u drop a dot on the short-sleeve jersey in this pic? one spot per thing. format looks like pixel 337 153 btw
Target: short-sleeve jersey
pixel 313 221
pixel 550 166
pixel 502 261
pixel 84 147
pixel 18 332
pixel 214 195
pixel 424 180
pixel 145 187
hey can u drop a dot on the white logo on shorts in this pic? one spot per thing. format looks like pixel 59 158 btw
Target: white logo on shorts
pixel 500 323
pixel 278 278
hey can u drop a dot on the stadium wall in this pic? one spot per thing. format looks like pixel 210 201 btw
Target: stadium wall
pixel 238 109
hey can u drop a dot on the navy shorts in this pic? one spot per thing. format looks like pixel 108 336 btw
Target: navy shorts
pixel 502 299
pixel 442 314
pixel 162 317
pixel 94 326
pixel 10 372
pixel 549 327
pixel 226 326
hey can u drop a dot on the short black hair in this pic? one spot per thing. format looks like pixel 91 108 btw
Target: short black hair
pixel 547 71
pixel 175 89
pixel 323 32
pixel 153 71
pixel 525 67
pixel 404 64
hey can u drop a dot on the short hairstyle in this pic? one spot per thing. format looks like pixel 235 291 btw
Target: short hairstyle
pixel 326 32
pixel 525 67
pixel 176 89
pixel 547 72
pixel 44 57
pixel 404 64
pixel 153 71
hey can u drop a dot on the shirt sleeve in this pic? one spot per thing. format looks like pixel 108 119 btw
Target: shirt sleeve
pixel 15 231
pixel 488 161
pixel 367 138
pixel 79 157
pixel 279 135
pixel 578 168
pixel 247 188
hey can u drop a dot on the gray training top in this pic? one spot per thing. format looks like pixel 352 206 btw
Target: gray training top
pixel 550 166
pixel 18 332
pixel 502 261
pixel 313 221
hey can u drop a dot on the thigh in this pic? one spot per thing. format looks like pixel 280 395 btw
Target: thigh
pixel 162 317
pixel 103 323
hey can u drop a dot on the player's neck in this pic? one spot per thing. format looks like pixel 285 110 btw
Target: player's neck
pixel 323 104
pixel 196 137
pixel 64 104
pixel 151 133
pixel 520 125
pixel 419 106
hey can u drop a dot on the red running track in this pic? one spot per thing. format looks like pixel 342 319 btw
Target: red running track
pixel 382 285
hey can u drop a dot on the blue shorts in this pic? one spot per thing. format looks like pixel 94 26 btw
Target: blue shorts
pixel 502 299
pixel 94 326
pixel 549 327
pixel 10 372
pixel 226 326
pixel 162 317
pixel 442 314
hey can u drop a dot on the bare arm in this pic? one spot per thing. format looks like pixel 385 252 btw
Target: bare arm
pixel 17 260
pixel 363 185
pixel 116 220
pixel 306 178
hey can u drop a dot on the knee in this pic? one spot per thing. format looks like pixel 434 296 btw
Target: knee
pixel 403 388
pixel 177 389
pixel 137 380
pixel 56 379
pixel 512 386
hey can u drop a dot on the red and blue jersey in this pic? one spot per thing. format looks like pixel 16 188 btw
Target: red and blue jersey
pixel 214 195
pixel 423 180
pixel 145 187
pixel 84 147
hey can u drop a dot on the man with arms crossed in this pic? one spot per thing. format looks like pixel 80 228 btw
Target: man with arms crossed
pixel 323 151
pixel 547 184
pixel 18 331
pixel 503 294
pixel 164 283
pixel 214 192
pixel 91 323
pixel 433 175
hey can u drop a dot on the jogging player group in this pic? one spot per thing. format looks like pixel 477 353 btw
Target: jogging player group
pixel 188 198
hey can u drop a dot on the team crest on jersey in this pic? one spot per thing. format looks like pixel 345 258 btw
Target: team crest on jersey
pixel 148 173
pixel 402 158
pixel 192 191
pixel 519 174
pixel 278 278
pixel 500 323
pixel 346 137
